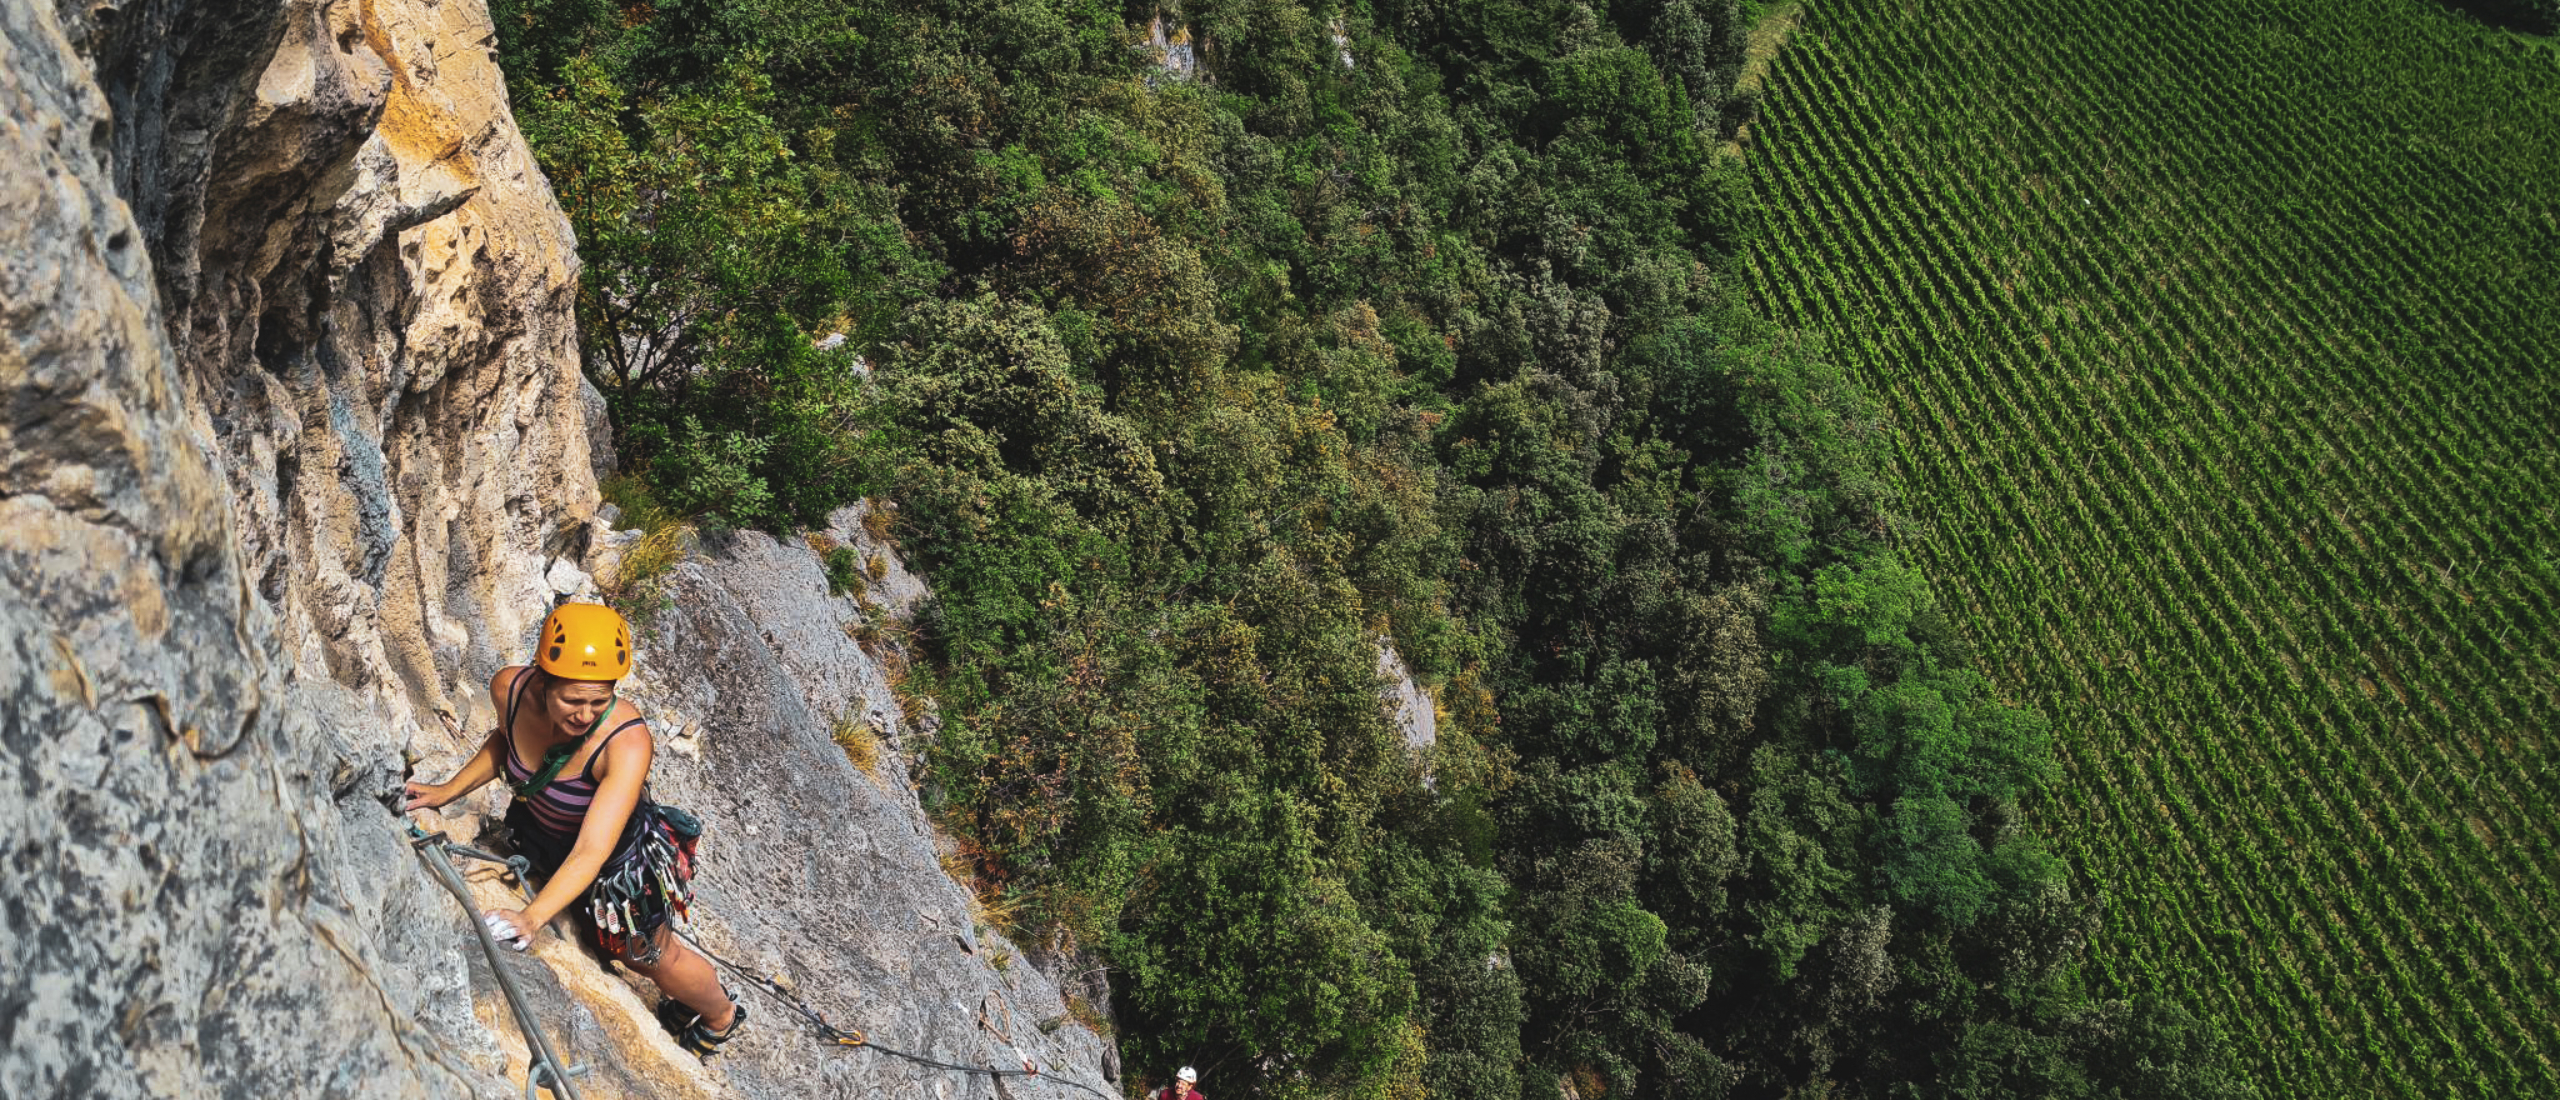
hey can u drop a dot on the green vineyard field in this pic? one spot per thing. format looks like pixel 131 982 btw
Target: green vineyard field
pixel 2221 339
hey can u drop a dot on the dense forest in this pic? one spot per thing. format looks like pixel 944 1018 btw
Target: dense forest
pixel 1205 349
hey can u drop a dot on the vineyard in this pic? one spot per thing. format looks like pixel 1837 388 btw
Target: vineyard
pixel 2222 339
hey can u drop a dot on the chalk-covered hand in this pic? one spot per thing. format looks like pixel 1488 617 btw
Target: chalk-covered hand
pixel 509 927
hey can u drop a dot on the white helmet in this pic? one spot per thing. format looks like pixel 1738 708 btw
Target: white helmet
pixel 1188 1076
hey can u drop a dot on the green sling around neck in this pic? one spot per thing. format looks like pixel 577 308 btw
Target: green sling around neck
pixel 559 755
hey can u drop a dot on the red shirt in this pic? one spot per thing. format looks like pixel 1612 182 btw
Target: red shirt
pixel 1179 1092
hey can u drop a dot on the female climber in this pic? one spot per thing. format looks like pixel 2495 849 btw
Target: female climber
pixel 583 817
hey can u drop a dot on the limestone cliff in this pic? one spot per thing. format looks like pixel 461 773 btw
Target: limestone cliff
pixel 292 442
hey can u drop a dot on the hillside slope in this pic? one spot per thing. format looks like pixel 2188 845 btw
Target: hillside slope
pixel 2219 338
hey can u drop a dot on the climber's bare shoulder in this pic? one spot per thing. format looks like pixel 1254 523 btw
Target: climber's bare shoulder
pixel 502 682
pixel 631 751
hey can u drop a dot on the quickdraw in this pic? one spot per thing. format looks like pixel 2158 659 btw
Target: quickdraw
pixel 650 885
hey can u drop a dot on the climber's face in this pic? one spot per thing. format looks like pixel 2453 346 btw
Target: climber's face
pixel 576 704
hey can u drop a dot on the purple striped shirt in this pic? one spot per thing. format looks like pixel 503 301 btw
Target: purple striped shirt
pixel 560 807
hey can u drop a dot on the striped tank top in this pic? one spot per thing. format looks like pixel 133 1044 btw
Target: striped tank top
pixel 561 807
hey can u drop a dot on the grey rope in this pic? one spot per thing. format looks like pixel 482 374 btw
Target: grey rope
pixel 546 1070
pixel 818 1023
pixel 520 866
pixel 846 1037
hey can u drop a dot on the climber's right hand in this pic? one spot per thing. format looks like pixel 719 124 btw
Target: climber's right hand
pixel 422 796
pixel 508 926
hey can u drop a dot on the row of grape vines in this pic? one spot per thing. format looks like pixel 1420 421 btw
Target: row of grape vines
pixel 2222 341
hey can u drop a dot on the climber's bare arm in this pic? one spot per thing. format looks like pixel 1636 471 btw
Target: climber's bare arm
pixel 620 776
pixel 481 768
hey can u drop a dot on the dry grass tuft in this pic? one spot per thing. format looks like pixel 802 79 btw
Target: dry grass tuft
pixel 653 556
pixel 666 540
pixel 878 519
pixel 861 745
pixel 995 909
pixel 990 907
pixel 1083 1012
pixel 889 640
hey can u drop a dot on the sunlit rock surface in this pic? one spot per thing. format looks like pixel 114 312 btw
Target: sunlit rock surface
pixel 1407 702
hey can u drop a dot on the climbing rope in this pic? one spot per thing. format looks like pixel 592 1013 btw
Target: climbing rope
pixel 827 1032
pixel 546 1069
pixel 852 1038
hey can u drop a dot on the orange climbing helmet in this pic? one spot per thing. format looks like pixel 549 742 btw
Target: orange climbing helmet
pixel 584 641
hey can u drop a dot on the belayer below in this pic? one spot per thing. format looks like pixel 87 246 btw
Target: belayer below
pixel 623 862
pixel 1185 1086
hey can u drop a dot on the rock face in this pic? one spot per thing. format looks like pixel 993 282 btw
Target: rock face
pixel 1407 702
pixel 293 445
pixel 369 289
pixel 817 869
pixel 168 889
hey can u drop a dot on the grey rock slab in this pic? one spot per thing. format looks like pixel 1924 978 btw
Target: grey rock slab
pixel 817 870
pixel 1407 702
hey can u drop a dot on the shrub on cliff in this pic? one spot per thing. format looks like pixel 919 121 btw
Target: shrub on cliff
pixel 713 251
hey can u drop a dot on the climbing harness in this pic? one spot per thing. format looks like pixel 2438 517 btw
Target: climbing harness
pixel 648 882
pixel 651 879
pixel 547 1069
